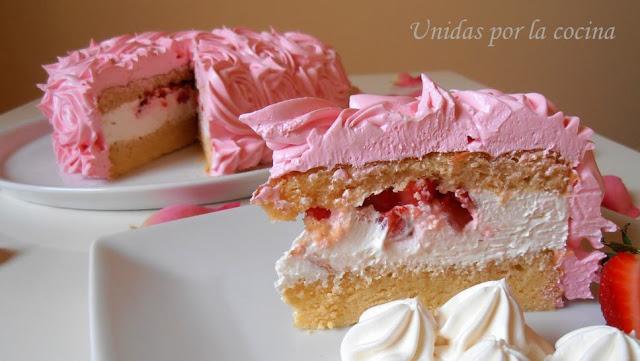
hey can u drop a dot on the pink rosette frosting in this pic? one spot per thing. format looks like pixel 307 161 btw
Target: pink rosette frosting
pixel 308 133
pixel 239 71
pixel 397 127
pixel 76 80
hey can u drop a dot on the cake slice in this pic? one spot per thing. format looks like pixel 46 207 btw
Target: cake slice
pixel 424 197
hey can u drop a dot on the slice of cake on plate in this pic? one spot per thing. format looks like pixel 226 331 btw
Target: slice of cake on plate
pixel 426 196
pixel 118 104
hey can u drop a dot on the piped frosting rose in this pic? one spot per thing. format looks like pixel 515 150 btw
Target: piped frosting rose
pixel 242 71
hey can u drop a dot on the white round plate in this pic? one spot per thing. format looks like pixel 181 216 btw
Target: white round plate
pixel 28 171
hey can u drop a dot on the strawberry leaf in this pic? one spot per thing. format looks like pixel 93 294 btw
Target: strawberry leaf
pixel 615 247
pixel 625 237
pixel 618 247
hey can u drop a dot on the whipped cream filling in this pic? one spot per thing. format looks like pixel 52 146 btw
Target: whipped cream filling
pixel 136 119
pixel 500 229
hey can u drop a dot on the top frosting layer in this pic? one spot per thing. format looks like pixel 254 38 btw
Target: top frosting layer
pixel 308 133
pixel 119 60
pixel 238 71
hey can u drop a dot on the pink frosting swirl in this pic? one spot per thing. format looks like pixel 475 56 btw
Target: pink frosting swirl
pixel 239 71
pixel 309 133
pixel 320 72
pixel 227 89
pixel 78 146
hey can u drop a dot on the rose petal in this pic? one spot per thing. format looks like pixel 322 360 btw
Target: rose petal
pixel 617 197
pixel 406 80
pixel 179 211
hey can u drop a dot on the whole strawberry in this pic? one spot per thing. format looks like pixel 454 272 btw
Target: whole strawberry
pixel 620 286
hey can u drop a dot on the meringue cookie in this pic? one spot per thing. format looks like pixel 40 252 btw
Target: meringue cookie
pixel 399 330
pixel 596 343
pixel 493 350
pixel 487 310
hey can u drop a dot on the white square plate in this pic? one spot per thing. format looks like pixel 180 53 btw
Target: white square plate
pixel 202 289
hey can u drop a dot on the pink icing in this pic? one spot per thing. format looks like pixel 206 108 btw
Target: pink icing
pixel 307 133
pixel 579 273
pixel 585 217
pixel 393 128
pixel 581 266
pixel 238 71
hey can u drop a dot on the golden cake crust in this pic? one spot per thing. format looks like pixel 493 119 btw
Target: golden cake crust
pixel 131 154
pixel 533 278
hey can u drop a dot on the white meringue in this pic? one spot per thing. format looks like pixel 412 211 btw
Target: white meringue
pixel 396 331
pixel 492 350
pixel 596 343
pixel 487 310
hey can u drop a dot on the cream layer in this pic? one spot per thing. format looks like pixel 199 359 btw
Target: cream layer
pixel 138 118
pixel 500 229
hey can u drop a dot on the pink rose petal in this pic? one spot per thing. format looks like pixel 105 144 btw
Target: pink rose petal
pixel 617 197
pixel 179 211
pixel 406 80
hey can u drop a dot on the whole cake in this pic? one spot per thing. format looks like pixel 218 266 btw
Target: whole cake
pixel 426 196
pixel 118 104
